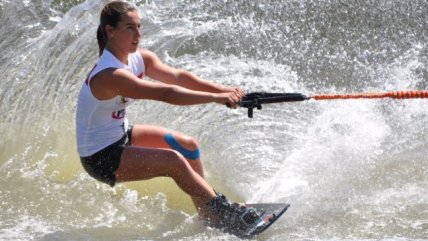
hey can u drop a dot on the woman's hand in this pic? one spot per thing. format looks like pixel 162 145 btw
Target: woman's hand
pixel 230 99
pixel 234 94
pixel 238 91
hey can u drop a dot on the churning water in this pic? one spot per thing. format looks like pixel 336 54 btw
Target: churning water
pixel 354 169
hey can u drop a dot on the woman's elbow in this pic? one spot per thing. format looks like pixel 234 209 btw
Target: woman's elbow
pixel 169 95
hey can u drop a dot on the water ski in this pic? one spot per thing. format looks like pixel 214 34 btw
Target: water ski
pixel 268 212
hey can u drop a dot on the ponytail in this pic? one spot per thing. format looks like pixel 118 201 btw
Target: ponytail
pixel 102 39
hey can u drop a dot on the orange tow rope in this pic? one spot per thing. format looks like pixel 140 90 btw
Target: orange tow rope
pixel 373 95
pixel 255 100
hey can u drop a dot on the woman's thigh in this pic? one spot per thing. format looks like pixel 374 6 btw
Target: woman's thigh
pixel 140 163
pixel 150 136
pixel 154 136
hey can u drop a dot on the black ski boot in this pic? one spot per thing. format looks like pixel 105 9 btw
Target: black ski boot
pixel 231 217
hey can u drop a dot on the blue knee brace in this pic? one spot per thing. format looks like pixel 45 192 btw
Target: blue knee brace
pixel 188 154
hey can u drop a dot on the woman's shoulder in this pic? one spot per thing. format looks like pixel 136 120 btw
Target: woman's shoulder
pixel 149 57
pixel 144 51
pixel 147 54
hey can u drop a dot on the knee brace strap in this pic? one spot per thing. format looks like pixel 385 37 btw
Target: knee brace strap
pixel 192 155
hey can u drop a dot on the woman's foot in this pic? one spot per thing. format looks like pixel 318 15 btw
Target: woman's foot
pixel 231 217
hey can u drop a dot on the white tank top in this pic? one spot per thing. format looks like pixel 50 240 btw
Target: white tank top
pixel 100 123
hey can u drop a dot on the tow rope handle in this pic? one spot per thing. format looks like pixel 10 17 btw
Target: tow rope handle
pixel 256 99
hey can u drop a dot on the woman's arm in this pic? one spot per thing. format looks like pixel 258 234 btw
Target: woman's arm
pixel 112 82
pixel 157 70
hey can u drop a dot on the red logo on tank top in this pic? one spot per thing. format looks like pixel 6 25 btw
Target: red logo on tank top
pixel 120 114
pixel 141 75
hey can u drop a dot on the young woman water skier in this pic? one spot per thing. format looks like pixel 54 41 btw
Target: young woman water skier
pixel 113 151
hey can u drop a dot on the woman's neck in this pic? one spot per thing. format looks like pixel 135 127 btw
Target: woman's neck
pixel 120 55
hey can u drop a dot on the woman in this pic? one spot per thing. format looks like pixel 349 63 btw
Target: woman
pixel 111 150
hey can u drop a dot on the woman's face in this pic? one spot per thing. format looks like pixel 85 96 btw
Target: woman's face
pixel 126 35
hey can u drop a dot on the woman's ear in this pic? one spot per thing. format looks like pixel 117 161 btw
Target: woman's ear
pixel 109 30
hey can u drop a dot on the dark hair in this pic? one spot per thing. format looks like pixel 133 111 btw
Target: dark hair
pixel 110 15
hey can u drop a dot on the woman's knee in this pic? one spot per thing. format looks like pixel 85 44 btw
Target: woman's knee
pixel 178 164
pixel 185 145
pixel 190 143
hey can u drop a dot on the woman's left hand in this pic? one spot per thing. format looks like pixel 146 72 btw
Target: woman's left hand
pixel 237 94
pixel 238 91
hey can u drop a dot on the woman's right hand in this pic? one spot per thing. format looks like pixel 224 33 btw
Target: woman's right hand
pixel 230 99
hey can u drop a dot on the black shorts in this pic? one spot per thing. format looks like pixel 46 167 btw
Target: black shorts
pixel 104 163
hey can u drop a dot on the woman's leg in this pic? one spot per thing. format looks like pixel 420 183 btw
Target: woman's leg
pixel 140 163
pixel 148 136
pixel 154 136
